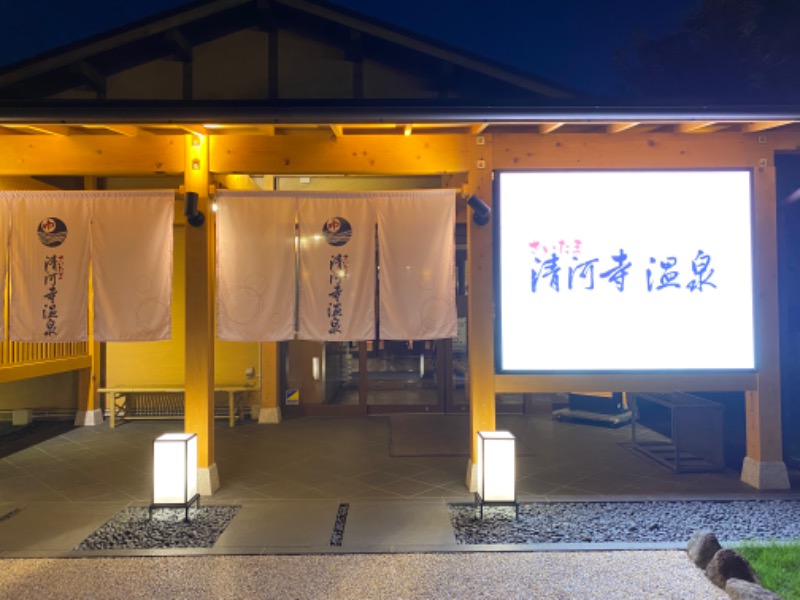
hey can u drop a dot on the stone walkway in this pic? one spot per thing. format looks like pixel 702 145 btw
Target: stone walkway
pixel 661 575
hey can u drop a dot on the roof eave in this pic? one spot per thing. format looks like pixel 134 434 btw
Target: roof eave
pixel 241 113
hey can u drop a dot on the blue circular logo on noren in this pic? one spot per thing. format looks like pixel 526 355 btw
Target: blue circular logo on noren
pixel 337 231
pixel 52 232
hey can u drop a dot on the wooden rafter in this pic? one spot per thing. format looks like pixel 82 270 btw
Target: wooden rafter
pixel 546 128
pixel 59 130
pixel 338 130
pixel 620 127
pixel 763 126
pixel 195 129
pixel 126 130
pixel 694 126
pixel 478 128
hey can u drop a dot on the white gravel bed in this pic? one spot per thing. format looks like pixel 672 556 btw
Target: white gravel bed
pixel 643 575
pixel 635 522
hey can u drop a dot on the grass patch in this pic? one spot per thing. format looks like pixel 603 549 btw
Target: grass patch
pixel 777 565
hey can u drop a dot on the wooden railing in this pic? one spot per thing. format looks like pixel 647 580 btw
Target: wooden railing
pixel 18 353
pixel 26 360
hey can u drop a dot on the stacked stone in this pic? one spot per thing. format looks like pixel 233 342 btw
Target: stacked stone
pixel 726 568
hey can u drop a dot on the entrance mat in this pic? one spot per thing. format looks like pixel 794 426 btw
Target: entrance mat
pixel 132 529
pixel 446 435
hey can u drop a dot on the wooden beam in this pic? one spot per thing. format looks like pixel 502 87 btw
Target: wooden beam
pixel 355 54
pixel 102 155
pixel 40 369
pixel 674 382
pixel 94 78
pixel 183 49
pixel 266 129
pixel 693 127
pixel 763 126
pixel 620 127
pixel 267 20
pixel 632 150
pixel 357 154
pixel 24 183
pixel 337 130
pixel 546 128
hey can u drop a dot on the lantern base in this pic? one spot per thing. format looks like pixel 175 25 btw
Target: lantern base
pixel 184 505
pixel 481 502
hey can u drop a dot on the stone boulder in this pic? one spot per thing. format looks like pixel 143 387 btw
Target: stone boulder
pixel 702 547
pixel 729 564
pixel 738 589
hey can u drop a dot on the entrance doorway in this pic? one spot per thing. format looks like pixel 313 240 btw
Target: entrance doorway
pixel 378 376
pixel 375 377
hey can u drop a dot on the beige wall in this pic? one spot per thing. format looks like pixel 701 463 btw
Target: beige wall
pixel 157 80
pixel 236 66
pixel 232 67
pixel 312 69
pixel 52 391
pixel 383 81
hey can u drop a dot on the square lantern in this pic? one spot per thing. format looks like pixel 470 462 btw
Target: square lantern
pixel 496 469
pixel 175 471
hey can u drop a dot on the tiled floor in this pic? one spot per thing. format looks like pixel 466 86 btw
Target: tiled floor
pixel 290 479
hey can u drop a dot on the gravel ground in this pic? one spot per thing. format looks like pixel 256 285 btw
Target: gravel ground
pixel 656 521
pixel 133 529
pixel 662 575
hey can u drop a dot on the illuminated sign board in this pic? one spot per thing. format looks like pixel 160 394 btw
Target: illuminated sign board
pixel 624 270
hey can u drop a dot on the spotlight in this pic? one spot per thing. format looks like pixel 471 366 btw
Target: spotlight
pixel 195 217
pixel 480 210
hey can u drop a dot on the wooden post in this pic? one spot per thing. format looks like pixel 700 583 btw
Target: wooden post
pixel 480 307
pixel 89 407
pixel 763 466
pixel 270 410
pixel 200 316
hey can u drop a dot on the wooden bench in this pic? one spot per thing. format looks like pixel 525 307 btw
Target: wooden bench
pixel 152 403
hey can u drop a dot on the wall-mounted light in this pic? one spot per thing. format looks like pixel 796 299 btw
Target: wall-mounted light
pixel 193 215
pixel 480 210
pixel 496 469
pixel 315 368
pixel 214 207
pixel 175 472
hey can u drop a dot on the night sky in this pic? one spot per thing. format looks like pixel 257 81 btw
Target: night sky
pixel 571 42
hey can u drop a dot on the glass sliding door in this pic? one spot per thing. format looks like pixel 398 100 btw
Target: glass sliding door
pixel 404 376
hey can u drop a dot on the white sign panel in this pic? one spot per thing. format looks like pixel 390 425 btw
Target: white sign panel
pixel 624 270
